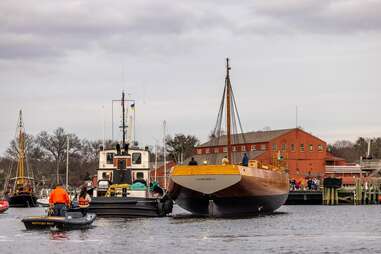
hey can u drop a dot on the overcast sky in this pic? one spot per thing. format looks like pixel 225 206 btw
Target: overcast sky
pixel 61 61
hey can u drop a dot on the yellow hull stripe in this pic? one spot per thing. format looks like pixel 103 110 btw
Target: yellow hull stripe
pixel 182 170
pixel 47 217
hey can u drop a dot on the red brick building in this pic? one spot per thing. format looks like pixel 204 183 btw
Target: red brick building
pixel 303 154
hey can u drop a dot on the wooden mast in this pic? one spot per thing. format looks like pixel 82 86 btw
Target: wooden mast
pixel 21 166
pixel 228 116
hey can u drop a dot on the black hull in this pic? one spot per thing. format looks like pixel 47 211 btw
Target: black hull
pixel 46 222
pixel 130 207
pixel 208 205
pixel 23 200
pixel 305 198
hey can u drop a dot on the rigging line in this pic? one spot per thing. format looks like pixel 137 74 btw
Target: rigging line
pixel 234 127
pixel 9 174
pixel 239 119
pixel 220 114
pixel 215 139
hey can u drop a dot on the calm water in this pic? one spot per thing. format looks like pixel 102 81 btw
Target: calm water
pixel 293 229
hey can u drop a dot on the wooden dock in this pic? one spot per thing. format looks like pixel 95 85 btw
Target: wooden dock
pixel 365 192
pixel 304 198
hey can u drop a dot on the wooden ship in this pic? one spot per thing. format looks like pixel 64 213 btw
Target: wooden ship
pixel 220 190
pixel 19 188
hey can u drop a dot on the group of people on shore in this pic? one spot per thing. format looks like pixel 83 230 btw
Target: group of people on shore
pixel 59 200
pixel 305 184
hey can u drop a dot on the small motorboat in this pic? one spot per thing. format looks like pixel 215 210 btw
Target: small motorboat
pixel 44 202
pixel 43 199
pixel 74 219
pixel 4 205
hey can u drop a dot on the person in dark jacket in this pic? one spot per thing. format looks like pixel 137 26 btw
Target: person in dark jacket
pixel 192 162
pixel 245 160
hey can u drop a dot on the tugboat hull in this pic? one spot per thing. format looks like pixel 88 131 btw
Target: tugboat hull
pixel 130 207
pixel 22 200
pixel 258 191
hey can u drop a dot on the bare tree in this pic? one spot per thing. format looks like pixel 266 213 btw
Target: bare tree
pixel 181 146
pixel 55 144
pixel 30 145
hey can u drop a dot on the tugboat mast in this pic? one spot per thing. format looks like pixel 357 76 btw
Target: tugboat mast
pixel 228 116
pixel 123 122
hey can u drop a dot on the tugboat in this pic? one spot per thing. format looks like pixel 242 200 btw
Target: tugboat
pixel 124 187
pixel 19 190
pixel 230 189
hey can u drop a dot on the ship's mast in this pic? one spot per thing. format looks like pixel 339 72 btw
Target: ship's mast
pixel 123 122
pixel 228 116
pixel 21 162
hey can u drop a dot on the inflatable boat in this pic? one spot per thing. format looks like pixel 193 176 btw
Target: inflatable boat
pixel 72 220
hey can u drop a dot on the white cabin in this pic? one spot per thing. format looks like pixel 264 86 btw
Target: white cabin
pixel 138 162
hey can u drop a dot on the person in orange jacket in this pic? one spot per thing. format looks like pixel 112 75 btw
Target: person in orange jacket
pixel 59 200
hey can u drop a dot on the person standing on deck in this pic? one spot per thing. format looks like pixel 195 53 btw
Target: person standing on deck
pixel 192 162
pixel 59 200
pixel 84 200
pixel 225 160
pixel 245 160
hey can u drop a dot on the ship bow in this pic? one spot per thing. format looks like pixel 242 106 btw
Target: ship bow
pixel 206 179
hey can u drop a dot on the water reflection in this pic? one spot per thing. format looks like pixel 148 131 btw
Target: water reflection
pixel 187 217
pixel 58 235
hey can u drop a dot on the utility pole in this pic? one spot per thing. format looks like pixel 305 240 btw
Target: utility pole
pixel 104 127
pixel 165 154
pixel 67 162
pixel 155 161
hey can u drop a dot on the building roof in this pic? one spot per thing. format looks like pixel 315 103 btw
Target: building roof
pixel 250 137
pixel 331 157
pixel 217 157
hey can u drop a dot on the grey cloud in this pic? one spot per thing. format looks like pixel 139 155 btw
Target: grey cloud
pixel 52 28
pixel 327 16
pixel 40 29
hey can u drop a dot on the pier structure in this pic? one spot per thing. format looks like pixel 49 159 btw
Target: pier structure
pixel 364 191
pixel 367 191
pixel 371 167
pixel 331 191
